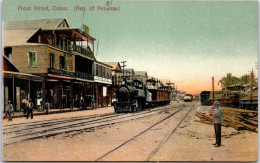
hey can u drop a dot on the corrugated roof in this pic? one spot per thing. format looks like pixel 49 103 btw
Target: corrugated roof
pixel 33 24
pixel 18 37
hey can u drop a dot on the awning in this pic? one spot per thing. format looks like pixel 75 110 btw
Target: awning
pixel 61 77
pixel 10 74
pixel 90 81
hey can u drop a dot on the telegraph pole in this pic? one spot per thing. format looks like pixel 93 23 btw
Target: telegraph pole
pixel 123 67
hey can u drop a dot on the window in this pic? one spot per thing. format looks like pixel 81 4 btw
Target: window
pixel 32 59
pixel 52 61
pixel 8 53
pixel 62 62
pixel 39 38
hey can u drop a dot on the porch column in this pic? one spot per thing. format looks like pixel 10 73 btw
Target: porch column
pixel 13 94
pixel 60 95
pixel 43 93
pixel 29 94
pixel 71 95
pixel 96 85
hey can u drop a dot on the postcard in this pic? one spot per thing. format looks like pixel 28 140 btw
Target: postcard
pixel 128 80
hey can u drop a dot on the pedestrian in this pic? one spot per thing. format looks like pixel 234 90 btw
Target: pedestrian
pixel 93 103
pixel 30 109
pixel 47 106
pixel 39 100
pixel 217 113
pixel 24 105
pixel 9 111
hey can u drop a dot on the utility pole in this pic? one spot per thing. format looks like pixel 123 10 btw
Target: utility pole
pixel 213 93
pixel 123 67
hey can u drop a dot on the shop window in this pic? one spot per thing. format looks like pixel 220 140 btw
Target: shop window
pixel 52 61
pixel 32 59
pixel 62 62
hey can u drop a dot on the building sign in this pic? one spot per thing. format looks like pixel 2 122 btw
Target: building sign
pixel 104 91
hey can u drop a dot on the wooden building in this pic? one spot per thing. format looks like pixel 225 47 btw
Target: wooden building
pixel 62 56
pixel 103 83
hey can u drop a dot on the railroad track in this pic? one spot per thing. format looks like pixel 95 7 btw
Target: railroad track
pixel 39 129
pixel 101 158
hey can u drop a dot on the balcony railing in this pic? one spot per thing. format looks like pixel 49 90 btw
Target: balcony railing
pixel 60 72
pixel 65 48
pixel 84 75
pixel 84 51
pixel 76 48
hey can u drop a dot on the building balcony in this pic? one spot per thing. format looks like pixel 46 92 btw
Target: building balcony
pixel 76 48
pixel 61 72
pixel 84 51
pixel 65 48
pixel 84 75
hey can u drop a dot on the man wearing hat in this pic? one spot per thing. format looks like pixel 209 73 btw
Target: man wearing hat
pixel 30 109
pixel 9 111
pixel 217 113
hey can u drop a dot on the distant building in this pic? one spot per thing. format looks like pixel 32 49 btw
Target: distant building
pixel 128 73
pixel 116 72
pixel 141 76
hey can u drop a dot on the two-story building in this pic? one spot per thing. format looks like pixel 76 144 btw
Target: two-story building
pixel 116 75
pixel 103 84
pixel 128 73
pixel 63 56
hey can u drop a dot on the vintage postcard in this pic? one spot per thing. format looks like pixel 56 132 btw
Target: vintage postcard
pixel 129 80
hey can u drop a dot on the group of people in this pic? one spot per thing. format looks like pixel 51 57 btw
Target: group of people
pixel 27 106
pixel 27 109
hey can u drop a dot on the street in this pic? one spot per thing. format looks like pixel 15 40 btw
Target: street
pixel 166 133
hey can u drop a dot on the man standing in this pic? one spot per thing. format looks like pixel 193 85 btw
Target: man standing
pixel 9 111
pixel 30 108
pixel 218 119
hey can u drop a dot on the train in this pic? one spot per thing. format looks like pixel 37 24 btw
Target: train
pixel 134 95
pixel 235 99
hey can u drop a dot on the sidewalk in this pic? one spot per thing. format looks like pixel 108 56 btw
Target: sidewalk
pixel 52 113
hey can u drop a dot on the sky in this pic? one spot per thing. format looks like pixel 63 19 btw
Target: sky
pixel 186 42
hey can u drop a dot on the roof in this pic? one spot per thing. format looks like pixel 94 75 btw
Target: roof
pixel 69 29
pixel 35 24
pixel 141 73
pixel 8 65
pixel 115 65
pixel 18 37
pixel 102 63
pixel 130 70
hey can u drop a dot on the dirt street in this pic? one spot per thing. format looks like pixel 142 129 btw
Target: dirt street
pixel 191 141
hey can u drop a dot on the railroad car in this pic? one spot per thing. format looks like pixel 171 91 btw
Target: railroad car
pixel 187 99
pixel 134 95
pixel 204 98
pixel 229 98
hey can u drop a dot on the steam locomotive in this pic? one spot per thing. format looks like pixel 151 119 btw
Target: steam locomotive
pixel 134 95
